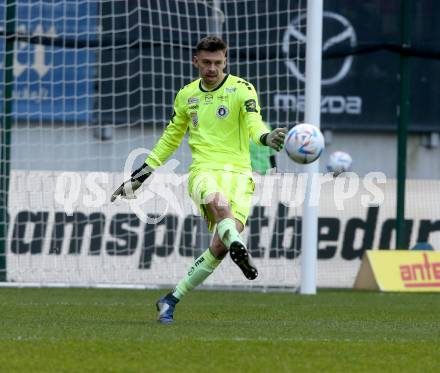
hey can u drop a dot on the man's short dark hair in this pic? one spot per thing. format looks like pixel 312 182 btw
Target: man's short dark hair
pixel 211 44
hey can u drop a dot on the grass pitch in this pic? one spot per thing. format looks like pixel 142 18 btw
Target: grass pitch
pixel 89 330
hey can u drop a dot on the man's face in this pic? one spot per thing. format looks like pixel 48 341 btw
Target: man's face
pixel 210 66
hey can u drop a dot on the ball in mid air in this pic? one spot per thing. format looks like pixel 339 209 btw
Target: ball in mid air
pixel 304 143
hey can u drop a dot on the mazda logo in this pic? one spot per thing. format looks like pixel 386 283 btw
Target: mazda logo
pixel 347 35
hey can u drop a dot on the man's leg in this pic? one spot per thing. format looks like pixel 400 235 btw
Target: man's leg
pixel 202 267
pixel 227 237
pixel 205 264
pixel 238 189
pixel 228 231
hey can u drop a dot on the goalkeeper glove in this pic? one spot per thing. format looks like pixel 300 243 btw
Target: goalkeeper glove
pixel 127 189
pixel 274 139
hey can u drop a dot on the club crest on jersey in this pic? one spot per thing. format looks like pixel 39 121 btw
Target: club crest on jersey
pixel 194 118
pixel 222 112
pixel 193 100
pixel 230 89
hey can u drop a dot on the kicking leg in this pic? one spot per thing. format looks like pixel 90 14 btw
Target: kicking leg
pixel 228 233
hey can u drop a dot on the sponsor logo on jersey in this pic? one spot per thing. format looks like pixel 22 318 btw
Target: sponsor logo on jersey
pixel 193 100
pixel 251 106
pixel 222 97
pixel 208 99
pixel 230 89
pixel 193 107
pixel 194 118
pixel 222 111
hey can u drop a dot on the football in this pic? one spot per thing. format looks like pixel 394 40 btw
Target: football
pixel 304 143
pixel 339 162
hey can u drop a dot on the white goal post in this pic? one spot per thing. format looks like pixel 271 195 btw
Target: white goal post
pixel 313 116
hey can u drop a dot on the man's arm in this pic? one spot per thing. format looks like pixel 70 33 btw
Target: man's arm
pixel 251 113
pixel 250 110
pixel 167 144
pixel 172 136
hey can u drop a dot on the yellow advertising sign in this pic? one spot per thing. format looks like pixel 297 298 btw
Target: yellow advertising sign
pixel 400 270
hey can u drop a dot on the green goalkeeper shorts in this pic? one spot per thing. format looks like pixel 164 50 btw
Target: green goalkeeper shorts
pixel 237 188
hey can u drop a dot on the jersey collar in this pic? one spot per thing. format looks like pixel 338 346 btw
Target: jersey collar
pixel 204 90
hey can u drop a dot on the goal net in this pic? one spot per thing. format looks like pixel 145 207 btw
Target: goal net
pixel 93 84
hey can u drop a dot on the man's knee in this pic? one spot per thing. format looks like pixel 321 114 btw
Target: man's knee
pixel 219 207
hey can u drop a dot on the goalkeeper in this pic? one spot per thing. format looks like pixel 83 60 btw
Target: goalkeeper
pixel 221 113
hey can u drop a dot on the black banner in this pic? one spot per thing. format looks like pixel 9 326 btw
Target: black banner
pixel 147 54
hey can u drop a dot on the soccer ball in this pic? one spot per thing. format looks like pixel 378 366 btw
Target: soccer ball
pixel 304 143
pixel 339 162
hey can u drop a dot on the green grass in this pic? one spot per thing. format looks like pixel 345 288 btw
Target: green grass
pixel 79 330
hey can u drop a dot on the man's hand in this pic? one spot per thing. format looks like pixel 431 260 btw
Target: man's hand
pixel 126 190
pixel 275 139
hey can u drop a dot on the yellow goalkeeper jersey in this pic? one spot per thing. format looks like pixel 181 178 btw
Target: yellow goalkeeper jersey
pixel 220 123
